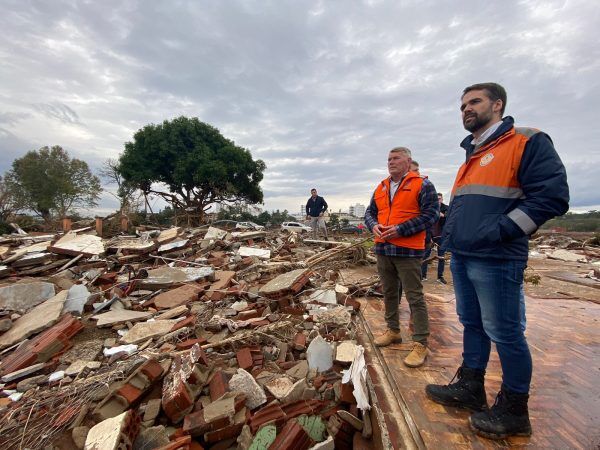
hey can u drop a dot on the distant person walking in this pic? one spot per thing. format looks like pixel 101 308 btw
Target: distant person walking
pixel 403 206
pixel 315 208
pixel 436 237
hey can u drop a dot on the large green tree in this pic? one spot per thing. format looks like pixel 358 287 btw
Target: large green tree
pixel 8 204
pixel 196 164
pixel 49 182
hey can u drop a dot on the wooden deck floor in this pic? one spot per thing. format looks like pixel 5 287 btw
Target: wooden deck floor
pixel 564 337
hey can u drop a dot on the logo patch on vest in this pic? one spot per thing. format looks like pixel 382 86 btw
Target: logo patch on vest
pixel 485 160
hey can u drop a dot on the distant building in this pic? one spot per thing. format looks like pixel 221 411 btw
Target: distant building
pixel 357 210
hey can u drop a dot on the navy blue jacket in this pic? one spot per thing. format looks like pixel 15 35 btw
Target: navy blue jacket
pixel 315 207
pixel 491 227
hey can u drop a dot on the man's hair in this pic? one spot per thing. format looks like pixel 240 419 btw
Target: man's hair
pixel 404 150
pixel 440 194
pixel 414 163
pixel 493 90
pixel 313 189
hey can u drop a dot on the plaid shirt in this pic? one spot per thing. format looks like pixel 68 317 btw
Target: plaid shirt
pixel 430 212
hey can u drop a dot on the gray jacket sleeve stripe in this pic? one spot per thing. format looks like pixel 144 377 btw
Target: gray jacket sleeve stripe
pixel 522 220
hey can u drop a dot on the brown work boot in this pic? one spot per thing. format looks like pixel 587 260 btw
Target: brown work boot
pixel 417 355
pixel 389 337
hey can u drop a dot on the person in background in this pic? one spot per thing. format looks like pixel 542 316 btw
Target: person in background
pixel 315 208
pixel 436 237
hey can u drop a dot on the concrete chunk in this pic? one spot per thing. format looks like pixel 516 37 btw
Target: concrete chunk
pixel 23 296
pixel 286 282
pixel 74 244
pixel 38 319
pixel 121 316
pixel 147 330
pixel 243 382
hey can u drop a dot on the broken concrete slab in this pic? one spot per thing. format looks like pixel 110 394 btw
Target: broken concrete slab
pixel 79 366
pixel 23 296
pixel 215 233
pixel 173 245
pixel 147 330
pixel 243 382
pixel 280 387
pixel 345 352
pixel 114 433
pixel 77 297
pixel 224 407
pixel 168 235
pixel 167 277
pixel 319 354
pixel 20 252
pixel 299 371
pixel 290 282
pixel 327 296
pixel 179 296
pixel 31 383
pixel 262 253
pixel 39 318
pixel 9 377
pixel 172 313
pixel 121 316
pixel 74 244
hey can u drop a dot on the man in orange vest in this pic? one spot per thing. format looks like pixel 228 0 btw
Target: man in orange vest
pixel 511 183
pixel 403 206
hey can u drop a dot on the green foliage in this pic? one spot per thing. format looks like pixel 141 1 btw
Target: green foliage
pixel 264 218
pixel 8 205
pixel 334 221
pixel 589 221
pixel 49 182
pixel 197 164
pixel 344 222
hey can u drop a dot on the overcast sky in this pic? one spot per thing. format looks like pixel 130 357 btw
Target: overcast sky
pixel 320 90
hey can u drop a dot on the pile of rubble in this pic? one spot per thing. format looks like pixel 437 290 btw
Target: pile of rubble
pixel 180 339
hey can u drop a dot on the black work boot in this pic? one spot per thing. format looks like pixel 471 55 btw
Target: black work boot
pixel 508 417
pixel 468 392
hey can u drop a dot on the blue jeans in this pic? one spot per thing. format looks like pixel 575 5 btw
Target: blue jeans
pixel 441 262
pixel 490 307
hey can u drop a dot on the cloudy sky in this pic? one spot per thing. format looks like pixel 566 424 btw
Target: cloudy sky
pixel 320 90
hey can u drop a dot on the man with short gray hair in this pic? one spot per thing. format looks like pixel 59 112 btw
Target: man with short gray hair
pixel 403 206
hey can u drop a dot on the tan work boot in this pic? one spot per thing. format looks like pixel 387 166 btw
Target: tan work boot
pixel 387 338
pixel 417 355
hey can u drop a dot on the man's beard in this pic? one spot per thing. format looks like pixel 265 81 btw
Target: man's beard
pixel 479 122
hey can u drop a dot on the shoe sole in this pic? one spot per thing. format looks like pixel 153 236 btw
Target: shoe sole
pixel 495 436
pixel 456 404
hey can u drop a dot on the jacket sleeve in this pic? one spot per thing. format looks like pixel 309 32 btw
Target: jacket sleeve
pixel 324 206
pixel 430 211
pixel 371 214
pixel 307 207
pixel 543 179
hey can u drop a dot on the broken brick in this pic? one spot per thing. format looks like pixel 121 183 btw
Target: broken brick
pixel 219 385
pixel 292 437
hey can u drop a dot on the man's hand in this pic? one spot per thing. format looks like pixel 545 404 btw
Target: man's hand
pixel 389 232
pixel 321 215
pixel 308 217
pixel 379 230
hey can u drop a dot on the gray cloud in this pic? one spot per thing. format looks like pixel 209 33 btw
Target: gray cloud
pixel 319 90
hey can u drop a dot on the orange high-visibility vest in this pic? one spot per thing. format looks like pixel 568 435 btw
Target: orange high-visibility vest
pixel 493 169
pixel 404 206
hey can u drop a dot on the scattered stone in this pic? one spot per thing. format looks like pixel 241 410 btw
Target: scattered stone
pixel 21 297
pixel 147 330
pixel 79 436
pixel 242 381
pixel 5 325
pixel 319 354
pixel 31 383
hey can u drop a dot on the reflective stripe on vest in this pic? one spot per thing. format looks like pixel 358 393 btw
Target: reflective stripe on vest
pixel 493 170
pixel 404 206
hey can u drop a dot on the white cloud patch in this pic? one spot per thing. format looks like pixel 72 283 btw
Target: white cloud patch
pixel 320 91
